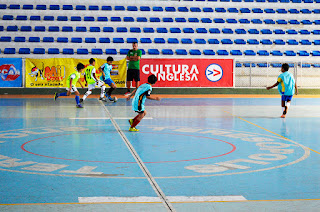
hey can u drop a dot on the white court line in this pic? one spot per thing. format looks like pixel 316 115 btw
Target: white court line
pixel 157 199
pixel 125 118
pixel 142 166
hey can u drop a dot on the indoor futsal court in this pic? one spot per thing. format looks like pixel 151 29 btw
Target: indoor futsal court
pixel 193 153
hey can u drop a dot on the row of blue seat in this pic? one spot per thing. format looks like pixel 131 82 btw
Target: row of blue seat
pixel 163 51
pixel 165 19
pixel 276 65
pixel 132 8
pixel 161 40
pixel 158 30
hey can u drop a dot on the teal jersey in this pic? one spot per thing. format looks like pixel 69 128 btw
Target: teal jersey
pixel 140 96
pixel 106 68
pixel 287 84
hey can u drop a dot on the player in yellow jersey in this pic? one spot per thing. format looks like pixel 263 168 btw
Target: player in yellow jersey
pixel 92 81
pixel 72 88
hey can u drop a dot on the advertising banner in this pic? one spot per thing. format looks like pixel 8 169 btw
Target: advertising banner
pixel 188 72
pixel 10 72
pixel 54 72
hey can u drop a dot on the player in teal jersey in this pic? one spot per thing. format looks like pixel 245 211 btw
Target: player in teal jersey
pixel 72 88
pixel 140 95
pixel 286 87
pixel 106 70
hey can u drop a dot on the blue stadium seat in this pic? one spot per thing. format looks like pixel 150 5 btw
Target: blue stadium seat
pixel 304 32
pixel 181 52
pixel 48 39
pixel 153 51
pixel 159 40
pixel 207 9
pixel 135 30
pixel 104 40
pixel 170 9
pixel 27 7
pixel 263 53
pixel 266 31
pixel 122 29
pixel 295 22
pixel 316 22
pixel 75 18
pixel 241 31
pixel 183 9
pixel 82 51
pixel 25 29
pixel 119 8
pixel 145 8
pixel 266 42
pixel 238 65
pixel 67 51
pixel 81 29
pixel 245 10
pixel 292 32
pixel 12 28
pixel 208 52
pixel 269 10
pixel 3 6
pixel 316 42
pixel 227 31
pixel 195 9
pixel 279 42
pixel 81 7
pixel 145 40
pixel 220 10
pixel 54 7
pixel 62 40
pixel 231 21
pixel 226 41
pixel 39 28
pixel 53 51
pixel 222 52
pixel 128 19
pixel 306 22
pixel 76 40
pixel 253 31
pixel 279 31
pixel 233 10
pixel 235 52
pixel 96 51
pixel 282 21
pixel 67 29
pixel 167 52
pixel 214 30
pixel 148 30
pixel 290 53
pixel 67 7
pixel 194 52
pixel 34 39
pixel 252 41
pixel 111 51
pixel 53 29
pixel 244 21
pixel 132 40
pixel 316 11
pixel 162 30
pixel 249 53
pixel 35 18
pixel 7 17
pixel 154 19
pixel 186 41
pixel 262 65
pixel 256 21
pixel 175 30
pixel 269 21
pixel 22 18
pixel 257 10
pixel 213 41
pixel 142 19
pixel 294 11
pixel 108 29
pixel 94 29
pixel 48 18
pixel 182 20
pixel 62 18
pixel 276 53
pixel 90 40
pixel 276 65
pixel 173 40
pixel 240 41
pixel 1 28
pixel 157 9
pixel 106 8
pixel 132 8
pixel 93 7
pixel 282 11
pixel 9 51
pixel 193 20
pixel 39 51
pixel 292 42
pixel 316 32
pixel 188 30
pixel 201 30
pixel 41 7
pixel 115 19
pixel 206 20
pixel 303 53
pixel 24 51
pixel 315 53
pixel 200 41
pixel 118 40
pixel 305 11
pixel 163 19
pixel 218 20
pixel 88 18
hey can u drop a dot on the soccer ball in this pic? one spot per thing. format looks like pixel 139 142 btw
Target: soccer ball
pixel 115 99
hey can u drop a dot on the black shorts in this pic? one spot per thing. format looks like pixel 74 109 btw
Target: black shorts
pixel 133 74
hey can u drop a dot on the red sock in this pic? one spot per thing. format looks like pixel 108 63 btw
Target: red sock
pixel 135 122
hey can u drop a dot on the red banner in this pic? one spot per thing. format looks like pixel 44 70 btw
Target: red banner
pixel 188 72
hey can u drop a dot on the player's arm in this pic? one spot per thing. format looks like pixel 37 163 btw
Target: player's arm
pixel 70 87
pixel 296 87
pixel 80 83
pixel 136 58
pixel 154 98
pixel 276 84
pixel 102 72
pixel 133 92
pixel 85 79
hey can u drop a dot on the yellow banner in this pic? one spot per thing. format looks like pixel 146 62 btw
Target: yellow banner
pixel 54 72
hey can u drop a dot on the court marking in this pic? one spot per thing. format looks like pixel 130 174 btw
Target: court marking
pixel 271 132
pixel 107 118
pixel 143 168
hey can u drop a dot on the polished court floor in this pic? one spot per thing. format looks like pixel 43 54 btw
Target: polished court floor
pixel 193 153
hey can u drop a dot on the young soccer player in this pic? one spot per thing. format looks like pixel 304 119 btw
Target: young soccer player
pixel 71 82
pixel 140 95
pixel 106 69
pixel 92 81
pixel 287 88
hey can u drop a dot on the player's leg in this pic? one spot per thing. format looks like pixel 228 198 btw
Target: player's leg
pixel 134 122
pixel 77 98
pixel 111 89
pixel 137 77
pixel 129 81
pixel 57 95
pixel 89 91
pixel 283 105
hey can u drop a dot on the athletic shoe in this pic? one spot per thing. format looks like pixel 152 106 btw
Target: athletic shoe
pixel 127 94
pixel 81 100
pixel 130 121
pixel 133 129
pixel 283 116
pixel 109 98
pixel 79 106
pixel 55 96
pixel 103 99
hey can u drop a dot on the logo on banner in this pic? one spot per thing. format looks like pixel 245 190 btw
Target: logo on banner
pixel 214 72
pixel 8 72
